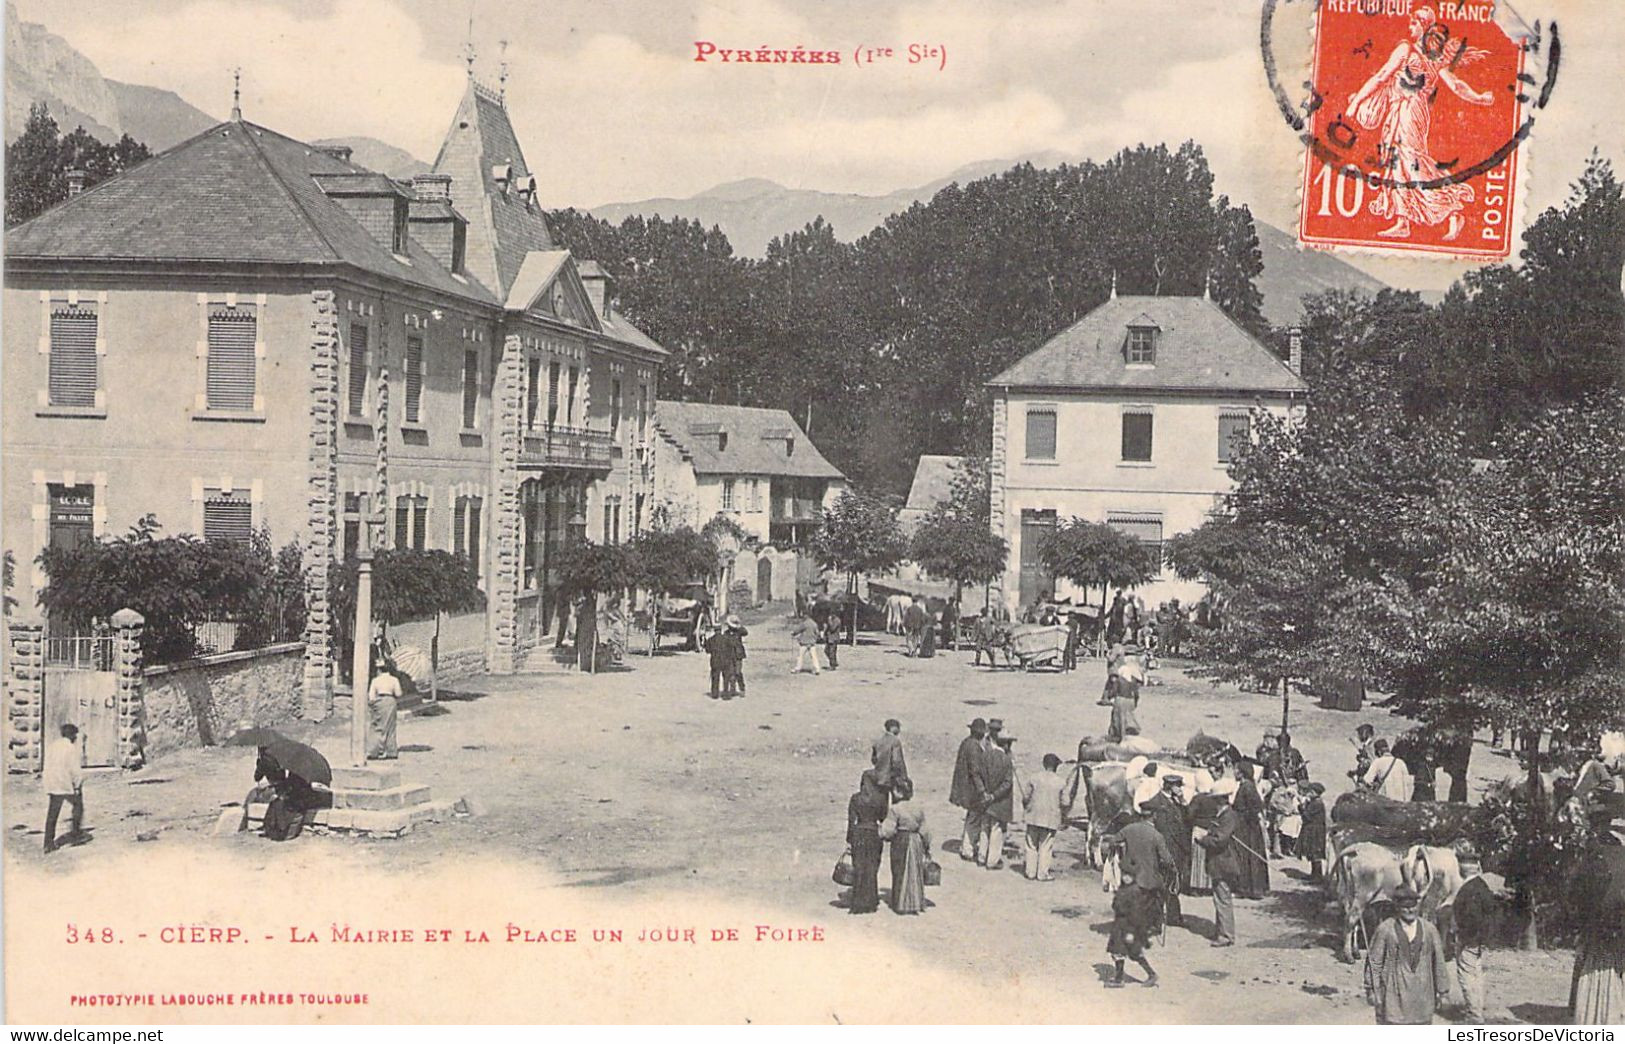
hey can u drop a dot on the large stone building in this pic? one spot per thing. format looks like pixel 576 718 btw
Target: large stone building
pixel 754 466
pixel 247 330
pixel 1126 417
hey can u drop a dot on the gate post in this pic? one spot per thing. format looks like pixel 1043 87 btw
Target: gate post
pixel 132 733
pixel 25 695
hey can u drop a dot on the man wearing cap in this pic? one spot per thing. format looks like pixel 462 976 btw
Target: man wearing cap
pixel 998 804
pixel 1167 812
pixel 1405 972
pixel 1223 865
pixel 887 754
pixel 64 781
pixel 970 774
pixel 1474 911
pixel 1046 815
pixel 1149 859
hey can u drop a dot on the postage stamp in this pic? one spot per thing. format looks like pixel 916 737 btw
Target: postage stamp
pixel 1418 115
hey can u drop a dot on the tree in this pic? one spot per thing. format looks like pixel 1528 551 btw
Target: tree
pixel 1090 553
pixel 955 542
pixel 407 584
pixel 859 535
pixel 664 560
pixel 586 571
pixel 38 161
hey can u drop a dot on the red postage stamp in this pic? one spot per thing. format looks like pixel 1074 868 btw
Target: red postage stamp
pixel 1415 128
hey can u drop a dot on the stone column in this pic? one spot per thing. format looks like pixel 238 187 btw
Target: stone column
pixel 128 626
pixel 508 574
pixel 321 505
pixel 380 508
pixel 997 475
pixel 25 695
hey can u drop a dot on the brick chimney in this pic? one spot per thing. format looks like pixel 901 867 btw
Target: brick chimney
pixel 599 286
pixel 431 186
pixel 76 182
pixel 435 223
pixel 1294 349
pixel 338 152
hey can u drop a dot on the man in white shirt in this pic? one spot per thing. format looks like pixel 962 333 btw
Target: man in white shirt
pixel 1388 775
pixel 64 780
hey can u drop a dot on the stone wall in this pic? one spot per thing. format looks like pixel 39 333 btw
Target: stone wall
pixel 25 695
pixel 462 643
pixel 199 702
pixel 322 479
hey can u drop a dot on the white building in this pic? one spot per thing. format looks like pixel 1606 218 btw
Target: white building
pixel 755 466
pixel 1126 417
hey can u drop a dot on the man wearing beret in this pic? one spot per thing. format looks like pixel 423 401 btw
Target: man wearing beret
pixel 1405 974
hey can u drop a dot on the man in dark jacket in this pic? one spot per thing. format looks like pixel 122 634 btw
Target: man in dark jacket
pixel 1149 859
pixel 1167 812
pixel 970 774
pixel 1224 866
pixel 998 804
pixel 1474 912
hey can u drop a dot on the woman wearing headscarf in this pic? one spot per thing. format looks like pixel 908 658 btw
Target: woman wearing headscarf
pixel 864 813
pixel 904 826
pixel 1254 879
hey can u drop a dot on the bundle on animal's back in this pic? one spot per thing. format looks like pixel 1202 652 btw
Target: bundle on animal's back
pixel 1203 748
pixel 1096 749
pixel 1365 816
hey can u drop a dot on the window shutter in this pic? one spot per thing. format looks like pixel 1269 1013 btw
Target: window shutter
pixel 230 382
pixel 414 377
pixel 615 409
pixel 1143 526
pixel 1041 435
pixel 533 392
pixel 228 517
pixel 403 523
pixel 1137 436
pixel 552 393
pixel 1234 432
pixel 420 523
pixel 73 357
pixel 358 369
pixel 471 387
pixel 459 516
pixel 474 532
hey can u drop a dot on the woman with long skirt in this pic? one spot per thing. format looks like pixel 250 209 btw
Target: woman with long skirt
pixel 1597 993
pixel 1254 882
pixel 904 827
pixel 864 813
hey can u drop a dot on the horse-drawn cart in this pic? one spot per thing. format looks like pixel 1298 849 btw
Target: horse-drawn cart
pixel 1036 645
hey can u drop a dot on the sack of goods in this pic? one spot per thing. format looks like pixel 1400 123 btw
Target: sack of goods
pixel 1384 820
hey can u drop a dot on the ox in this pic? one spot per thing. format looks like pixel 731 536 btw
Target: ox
pixel 1363 873
pixel 1435 874
pixel 1100 794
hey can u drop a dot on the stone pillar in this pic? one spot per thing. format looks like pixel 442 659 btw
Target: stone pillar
pixel 509 404
pixel 321 515
pixel 128 626
pixel 380 508
pixel 997 475
pixel 25 695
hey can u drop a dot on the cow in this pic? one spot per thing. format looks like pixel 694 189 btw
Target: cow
pixel 1362 873
pixel 1435 874
pixel 1101 794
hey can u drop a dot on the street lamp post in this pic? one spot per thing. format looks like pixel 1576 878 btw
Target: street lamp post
pixel 361 663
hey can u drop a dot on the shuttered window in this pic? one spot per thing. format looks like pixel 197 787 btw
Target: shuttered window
pixel 1235 430
pixel 552 394
pixel 227 516
pixel 727 494
pixel 1040 434
pixel 465 529
pixel 474 507
pixel 358 370
pixel 533 392
pixel 1146 527
pixel 471 387
pixel 570 403
pixel 414 377
pixel 411 523
pixel 1137 436
pixel 615 410
pixel 232 333
pixel 73 356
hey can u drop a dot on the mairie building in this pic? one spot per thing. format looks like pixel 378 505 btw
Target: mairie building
pixel 251 331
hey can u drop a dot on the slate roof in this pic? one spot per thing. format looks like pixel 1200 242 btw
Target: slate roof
pixel 238 192
pixel 753 446
pixel 1199 348
pixel 503 226
pixel 933 481
pixel 538 270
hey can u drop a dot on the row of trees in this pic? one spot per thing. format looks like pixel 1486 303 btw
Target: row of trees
pixel 888 341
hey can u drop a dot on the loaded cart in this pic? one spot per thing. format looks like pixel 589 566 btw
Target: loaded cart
pixel 1036 645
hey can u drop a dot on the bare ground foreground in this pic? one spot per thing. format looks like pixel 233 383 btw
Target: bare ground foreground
pixel 629 801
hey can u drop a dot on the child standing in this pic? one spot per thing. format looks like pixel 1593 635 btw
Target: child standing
pixel 832 638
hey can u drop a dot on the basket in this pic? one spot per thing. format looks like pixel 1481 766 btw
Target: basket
pixel 842 874
pixel 933 873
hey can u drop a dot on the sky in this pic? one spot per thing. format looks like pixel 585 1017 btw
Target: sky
pixel 610 104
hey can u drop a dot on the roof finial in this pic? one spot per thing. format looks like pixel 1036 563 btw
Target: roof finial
pixel 468 47
pixel 502 72
pixel 1114 282
pixel 237 94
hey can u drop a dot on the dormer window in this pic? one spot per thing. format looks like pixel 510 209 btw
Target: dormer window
pixel 1142 346
pixel 722 441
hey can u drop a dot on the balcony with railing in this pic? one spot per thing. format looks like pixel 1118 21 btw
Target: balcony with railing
pixel 561 446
